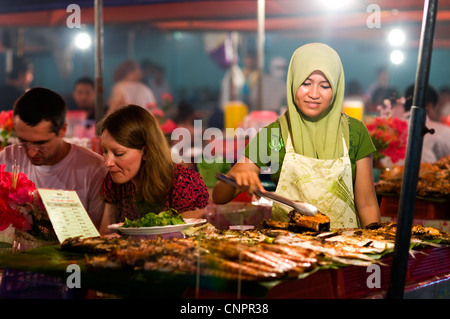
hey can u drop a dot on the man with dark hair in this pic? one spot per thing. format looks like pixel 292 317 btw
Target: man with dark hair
pixel 17 82
pixel 46 158
pixel 437 145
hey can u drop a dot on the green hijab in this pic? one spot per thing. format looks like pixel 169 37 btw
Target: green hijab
pixel 316 137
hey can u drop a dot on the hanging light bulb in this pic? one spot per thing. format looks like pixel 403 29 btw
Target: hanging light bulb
pixel 83 41
pixel 397 57
pixel 396 37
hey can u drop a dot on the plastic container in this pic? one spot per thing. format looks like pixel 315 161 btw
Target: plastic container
pixel 235 112
pixel 75 123
pixel 259 119
pixel 354 108
pixel 237 213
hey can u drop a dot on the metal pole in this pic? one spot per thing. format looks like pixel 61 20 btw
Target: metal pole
pixel 131 41
pixel 261 39
pixel 234 96
pixel 98 61
pixel 20 41
pixel 413 155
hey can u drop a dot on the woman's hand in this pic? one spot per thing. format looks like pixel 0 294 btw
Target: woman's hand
pixel 247 179
pixel 246 175
pixel 197 213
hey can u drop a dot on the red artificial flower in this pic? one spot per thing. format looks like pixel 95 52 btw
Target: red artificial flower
pixel 15 191
pixel 150 106
pixel 6 126
pixel 168 126
pixel 6 121
pixel 389 136
pixel 167 97
pixel 157 113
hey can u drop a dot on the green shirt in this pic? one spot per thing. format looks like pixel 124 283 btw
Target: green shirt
pixel 270 138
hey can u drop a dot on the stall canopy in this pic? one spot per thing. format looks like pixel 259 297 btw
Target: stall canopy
pixel 305 17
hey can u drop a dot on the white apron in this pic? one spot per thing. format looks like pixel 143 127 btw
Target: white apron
pixel 326 184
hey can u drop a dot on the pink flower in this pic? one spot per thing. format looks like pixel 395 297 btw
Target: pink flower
pixel 12 197
pixel 6 127
pixel 157 113
pixel 389 136
pixel 6 121
pixel 150 106
pixel 167 97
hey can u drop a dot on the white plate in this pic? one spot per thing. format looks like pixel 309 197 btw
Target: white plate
pixel 156 230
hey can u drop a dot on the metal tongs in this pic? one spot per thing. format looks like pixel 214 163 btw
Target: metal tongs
pixel 301 207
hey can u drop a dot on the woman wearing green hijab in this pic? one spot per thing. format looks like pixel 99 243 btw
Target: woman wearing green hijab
pixel 315 153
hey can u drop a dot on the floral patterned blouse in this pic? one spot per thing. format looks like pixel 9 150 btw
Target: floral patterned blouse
pixel 188 193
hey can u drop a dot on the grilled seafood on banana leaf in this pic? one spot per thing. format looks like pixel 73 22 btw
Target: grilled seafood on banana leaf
pixel 341 252
pixel 209 231
pixel 419 233
pixel 94 245
pixel 300 223
pixel 207 257
pixel 267 254
pixel 434 179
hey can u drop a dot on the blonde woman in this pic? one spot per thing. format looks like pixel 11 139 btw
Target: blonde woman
pixel 141 175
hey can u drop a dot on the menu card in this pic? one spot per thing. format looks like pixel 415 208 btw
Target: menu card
pixel 67 214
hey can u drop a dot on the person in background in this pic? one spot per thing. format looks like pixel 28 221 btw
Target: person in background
pixel 397 107
pixel 443 109
pixel 382 82
pixel 437 145
pixel 46 158
pixel 273 87
pixel 84 96
pixel 158 82
pixel 375 90
pixel 128 87
pixel 251 75
pixel 316 153
pixel 185 117
pixel 17 82
pixel 379 98
pixel 216 119
pixel 353 90
pixel 232 87
pixel 142 177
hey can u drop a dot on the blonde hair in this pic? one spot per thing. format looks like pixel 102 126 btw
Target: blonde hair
pixel 134 127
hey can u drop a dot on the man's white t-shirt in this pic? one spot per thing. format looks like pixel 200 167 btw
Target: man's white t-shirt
pixel 81 170
pixel 129 92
